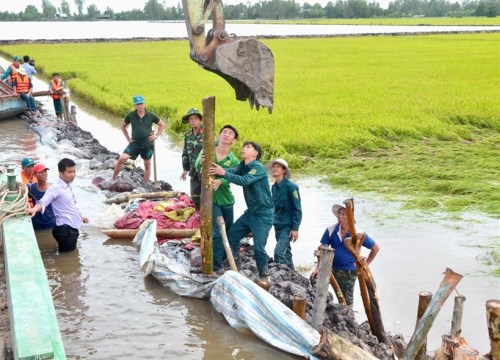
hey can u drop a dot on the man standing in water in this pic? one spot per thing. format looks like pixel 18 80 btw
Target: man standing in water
pixel 287 211
pixel 344 267
pixel 45 220
pixel 69 220
pixel 258 218
pixel 143 136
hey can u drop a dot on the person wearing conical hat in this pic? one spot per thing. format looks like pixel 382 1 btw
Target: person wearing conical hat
pixel 287 211
pixel 343 266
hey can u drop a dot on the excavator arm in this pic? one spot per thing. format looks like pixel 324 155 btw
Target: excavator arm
pixel 246 64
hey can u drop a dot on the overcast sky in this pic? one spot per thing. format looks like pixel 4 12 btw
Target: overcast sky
pixel 121 5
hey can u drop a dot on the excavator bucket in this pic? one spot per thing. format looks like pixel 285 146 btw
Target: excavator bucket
pixel 248 65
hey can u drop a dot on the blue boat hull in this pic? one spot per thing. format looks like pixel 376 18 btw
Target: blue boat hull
pixel 11 107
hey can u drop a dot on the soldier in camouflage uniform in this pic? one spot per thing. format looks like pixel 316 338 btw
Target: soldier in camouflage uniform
pixel 193 144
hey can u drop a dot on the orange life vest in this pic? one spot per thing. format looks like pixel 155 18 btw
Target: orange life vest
pixel 22 84
pixel 56 86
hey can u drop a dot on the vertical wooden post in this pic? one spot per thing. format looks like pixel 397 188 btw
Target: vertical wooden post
pixel 456 321
pixel 65 105
pixel 424 298
pixel 493 319
pixel 206 186
pixel 299 305
pixel 450 281
pixel 325 268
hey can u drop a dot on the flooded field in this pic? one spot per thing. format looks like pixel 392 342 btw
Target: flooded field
pixel 107 310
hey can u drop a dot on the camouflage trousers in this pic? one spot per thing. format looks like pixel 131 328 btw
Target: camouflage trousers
pixel 346 280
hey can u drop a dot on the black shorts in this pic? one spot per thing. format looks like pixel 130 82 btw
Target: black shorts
pixel 134 151
pixel 66 237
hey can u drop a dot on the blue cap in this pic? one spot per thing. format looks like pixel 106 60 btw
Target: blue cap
pixel 27 162
pixel 17 58
pixel 138 99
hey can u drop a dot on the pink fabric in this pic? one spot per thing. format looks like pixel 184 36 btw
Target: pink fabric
pixel 134 219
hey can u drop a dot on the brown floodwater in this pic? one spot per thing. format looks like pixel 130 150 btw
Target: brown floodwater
pixel 107 310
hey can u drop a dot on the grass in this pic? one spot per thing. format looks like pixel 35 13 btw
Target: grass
pixel 471 20
pixel 413 117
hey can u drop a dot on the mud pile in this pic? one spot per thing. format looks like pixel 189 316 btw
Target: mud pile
pixel 286 283
pixel 83 145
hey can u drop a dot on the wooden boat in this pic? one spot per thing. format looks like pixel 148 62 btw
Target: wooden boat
pixel 10 104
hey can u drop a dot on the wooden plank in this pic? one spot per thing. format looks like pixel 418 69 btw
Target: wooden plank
pixel 34 327
pixel 163 233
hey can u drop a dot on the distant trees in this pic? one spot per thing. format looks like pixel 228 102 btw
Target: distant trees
pixel 268 9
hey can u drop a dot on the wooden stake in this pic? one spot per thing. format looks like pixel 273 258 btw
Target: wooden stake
pixel 332 346
pixel 299 303
pixel 207 186
pixel 456 321
pixel 493 319
pixel 325 269
pixel 424 298
pixel 125 197
pixel 367 284
pixel 65 105
pixel 450 281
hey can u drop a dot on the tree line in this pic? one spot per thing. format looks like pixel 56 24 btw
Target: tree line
pixel 265 9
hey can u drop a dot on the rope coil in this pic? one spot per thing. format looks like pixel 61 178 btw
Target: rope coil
pixel 15 207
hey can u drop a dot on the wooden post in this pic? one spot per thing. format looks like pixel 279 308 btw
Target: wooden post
pixel 493 319
pixel 207 186
pixel 333 281
pixel 325 269
pixel 424 298
pixel 367 284
pixel 65 105
pixel 225 242
pixel 456 321
pixel 299 303
pixel 450 281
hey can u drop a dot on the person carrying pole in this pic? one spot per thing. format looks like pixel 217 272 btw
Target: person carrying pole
pixel 344 267
pixel 223 196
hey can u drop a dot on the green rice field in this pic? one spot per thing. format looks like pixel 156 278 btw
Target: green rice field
pixel 470 20
pixel 413 118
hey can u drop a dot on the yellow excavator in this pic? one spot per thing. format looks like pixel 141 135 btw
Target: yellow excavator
pixel 246 64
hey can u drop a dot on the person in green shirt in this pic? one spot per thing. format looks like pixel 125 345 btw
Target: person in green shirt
pixel 287 211
pixel 193 144
pixel 143 136
pixel 258 218
pixel 223 196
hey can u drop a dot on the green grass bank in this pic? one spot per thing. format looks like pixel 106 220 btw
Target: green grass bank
pixel 414 118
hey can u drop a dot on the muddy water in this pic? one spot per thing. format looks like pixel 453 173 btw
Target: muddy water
pixel 107 310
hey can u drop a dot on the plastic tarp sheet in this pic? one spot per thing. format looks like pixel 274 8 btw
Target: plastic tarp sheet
pixel 170 265
pixel 246 305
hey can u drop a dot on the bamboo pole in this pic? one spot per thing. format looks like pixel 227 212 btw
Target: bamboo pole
pixel 424 298
pixel 450 281
pixel 299 303
pixel 325 269
pixel 456 320
pixel 367 284
pixel 225 242
pixel 207 186
pixel 125 197
pixel 493 319
pixel 129 234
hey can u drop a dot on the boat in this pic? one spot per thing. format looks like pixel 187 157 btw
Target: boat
pixel 10 104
